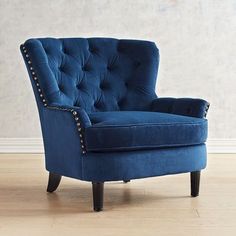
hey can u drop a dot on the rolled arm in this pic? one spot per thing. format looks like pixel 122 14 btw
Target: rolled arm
pixel 181 106
pixel 77 112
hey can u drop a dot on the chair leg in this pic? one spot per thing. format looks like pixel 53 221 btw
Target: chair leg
pixel 126 181
pixel 195 183
pixel 98 189
pixel 53 182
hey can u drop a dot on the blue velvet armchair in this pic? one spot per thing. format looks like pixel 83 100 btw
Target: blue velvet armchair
pixel 101 119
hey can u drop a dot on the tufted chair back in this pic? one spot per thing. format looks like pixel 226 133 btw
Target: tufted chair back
pixel 97 74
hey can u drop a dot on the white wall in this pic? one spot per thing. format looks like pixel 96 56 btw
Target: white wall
pixel 196 40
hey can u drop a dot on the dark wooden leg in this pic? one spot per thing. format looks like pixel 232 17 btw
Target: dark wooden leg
pixel 126 181
pixel 195 182
pixel 98 189
pixel 53 182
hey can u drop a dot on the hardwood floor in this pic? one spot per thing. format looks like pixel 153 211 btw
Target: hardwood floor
pixel 154 206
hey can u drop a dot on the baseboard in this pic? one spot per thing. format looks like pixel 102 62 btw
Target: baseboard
pixel 35 145
pixel 21 145
pixel 221 146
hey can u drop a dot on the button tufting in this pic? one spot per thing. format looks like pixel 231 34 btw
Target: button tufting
pixel 96 104
pixel 61 68
pixel 80 85
pixel 86 68
pixel 103 85
pixel 138 63
pixel 64 50
pixel 120 102
pixel 109 67
pixel 93 50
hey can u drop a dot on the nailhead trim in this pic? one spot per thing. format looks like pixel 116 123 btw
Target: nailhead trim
pixel 33 74
pixel 74 113
pixel 206 109
pixel 78 124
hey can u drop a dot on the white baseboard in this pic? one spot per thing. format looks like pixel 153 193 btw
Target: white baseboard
pixel 21 145
pixel 221 146
pixel 35 145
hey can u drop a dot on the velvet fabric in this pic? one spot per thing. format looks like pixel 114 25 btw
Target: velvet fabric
pixel 96 74
pixel 133 130
pixel 181 106
pixel 111 83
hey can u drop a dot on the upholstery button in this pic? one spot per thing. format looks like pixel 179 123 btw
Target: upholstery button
pixel 62 68
pixel 103 86
pixel 64 50
pixel 79 86
pixel 138 63
pixel 97 104
pixel 92 50
pixel 85 68
pixel 120 102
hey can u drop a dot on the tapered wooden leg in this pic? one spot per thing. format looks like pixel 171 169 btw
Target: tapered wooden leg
pixel 53 182
pixel 195 183
pixel 98 189
pixel 126 181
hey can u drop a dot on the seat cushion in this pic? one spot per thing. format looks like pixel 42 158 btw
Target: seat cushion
pixel 131 130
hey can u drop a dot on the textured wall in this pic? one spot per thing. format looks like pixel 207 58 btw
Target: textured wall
pixel 196 40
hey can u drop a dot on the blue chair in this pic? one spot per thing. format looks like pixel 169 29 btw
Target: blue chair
pixel 101 119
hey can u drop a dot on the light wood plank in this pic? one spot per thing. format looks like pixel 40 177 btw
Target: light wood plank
pixel 154 206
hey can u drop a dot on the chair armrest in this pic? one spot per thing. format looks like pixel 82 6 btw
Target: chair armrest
pixel 181 106
pixel 66 125
pixel 79 114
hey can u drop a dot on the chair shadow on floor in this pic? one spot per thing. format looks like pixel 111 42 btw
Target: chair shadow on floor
pixel 76 199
